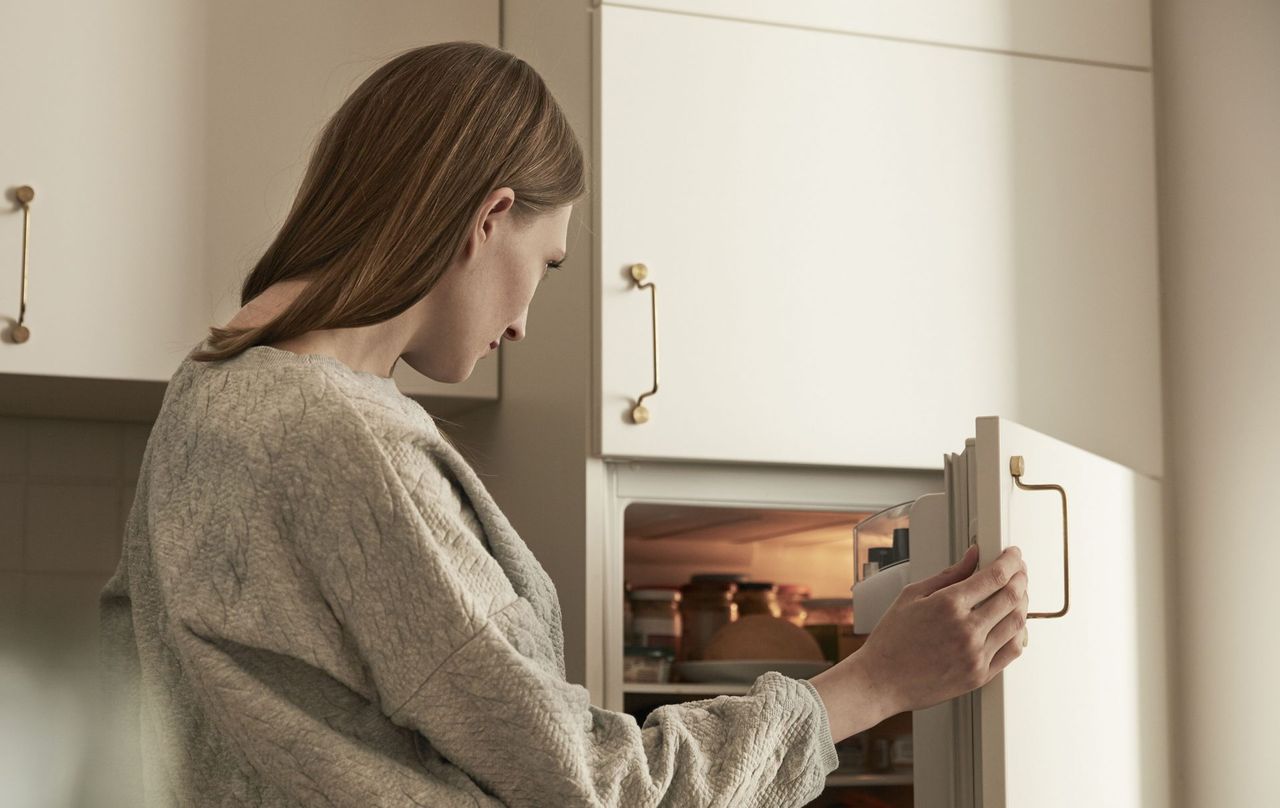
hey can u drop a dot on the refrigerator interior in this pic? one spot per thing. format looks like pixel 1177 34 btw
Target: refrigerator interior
pixel 666 543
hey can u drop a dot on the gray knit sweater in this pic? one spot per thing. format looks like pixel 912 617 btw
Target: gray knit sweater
pixel 320 604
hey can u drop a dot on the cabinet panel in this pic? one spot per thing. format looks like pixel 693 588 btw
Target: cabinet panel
pixel 1093 30
pixel 859 245
pixel 105 120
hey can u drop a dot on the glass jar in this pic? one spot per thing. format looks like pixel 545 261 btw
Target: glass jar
pixel 656 620
pixel 827 620
pixel 706 606
pixel 791 598
pixel 643 664
pixel 757 597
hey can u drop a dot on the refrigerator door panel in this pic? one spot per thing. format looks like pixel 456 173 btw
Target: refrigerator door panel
pixel 1081 717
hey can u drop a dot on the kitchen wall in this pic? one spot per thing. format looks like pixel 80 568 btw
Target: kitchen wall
pixel 1218 125
pixel 65 490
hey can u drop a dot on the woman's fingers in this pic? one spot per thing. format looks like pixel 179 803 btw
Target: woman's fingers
pixel 1004 602
pixel 1007 628
pixel 957 572
pixel 984 583
pixel 1007 653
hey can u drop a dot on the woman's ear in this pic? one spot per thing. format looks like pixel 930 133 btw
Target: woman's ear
pixel 497 205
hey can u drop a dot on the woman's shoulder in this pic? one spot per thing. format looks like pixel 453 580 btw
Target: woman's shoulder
pixel 259 408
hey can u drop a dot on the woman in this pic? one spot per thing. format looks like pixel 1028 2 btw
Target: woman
pixel 319 603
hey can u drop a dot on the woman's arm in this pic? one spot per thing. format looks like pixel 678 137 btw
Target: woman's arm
pixel 533 739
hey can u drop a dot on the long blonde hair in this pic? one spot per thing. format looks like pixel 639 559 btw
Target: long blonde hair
pixel 400 169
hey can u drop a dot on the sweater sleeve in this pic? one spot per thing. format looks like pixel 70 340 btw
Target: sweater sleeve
pixel 534 740
pixel 449 647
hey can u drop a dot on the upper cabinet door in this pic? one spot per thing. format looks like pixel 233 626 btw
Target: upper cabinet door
pixel 1082 715
pixel 104 118
pixel 858 245
pixel 1105 31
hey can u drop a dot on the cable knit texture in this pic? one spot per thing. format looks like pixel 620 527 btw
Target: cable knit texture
pixel 320 604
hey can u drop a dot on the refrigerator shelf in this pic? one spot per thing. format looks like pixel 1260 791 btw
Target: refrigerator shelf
pixel 687 689
pixel 839 779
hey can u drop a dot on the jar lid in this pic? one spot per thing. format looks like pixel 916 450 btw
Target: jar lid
pixel 829 603
pixel 756 586
pixel 709 593
pixel 656 593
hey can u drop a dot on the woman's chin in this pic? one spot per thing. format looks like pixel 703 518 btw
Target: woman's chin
pixel 448 374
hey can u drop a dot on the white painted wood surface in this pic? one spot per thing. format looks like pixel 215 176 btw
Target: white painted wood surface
pixel 1111 31
pixel 1082 715
pixel 859 245
pixel 104 117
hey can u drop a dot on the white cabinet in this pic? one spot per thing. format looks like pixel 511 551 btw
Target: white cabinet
pixel 1104 31
pixel 164 153
pixel 105 119
pixel 857 245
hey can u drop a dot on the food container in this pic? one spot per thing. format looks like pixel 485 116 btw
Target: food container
pixel 655 618
pixel 852 753
pixel 902 752
pixel 706 606
pixel 878 759
pixel 757 597
pixel 827 620
pixel 649 665
pixel 791 598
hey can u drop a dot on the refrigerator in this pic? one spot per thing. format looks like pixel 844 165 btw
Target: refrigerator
pixel 1082 717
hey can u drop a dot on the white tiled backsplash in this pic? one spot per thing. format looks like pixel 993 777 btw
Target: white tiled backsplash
pixel 66 487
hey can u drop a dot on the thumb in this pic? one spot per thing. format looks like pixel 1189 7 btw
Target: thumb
pixel 956 573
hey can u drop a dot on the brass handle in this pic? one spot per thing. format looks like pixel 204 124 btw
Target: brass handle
pixel 1016 467
pixel 640 413
pixel 25 194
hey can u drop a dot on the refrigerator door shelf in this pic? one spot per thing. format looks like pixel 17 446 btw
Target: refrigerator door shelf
pixel 873 596
pixel 928 518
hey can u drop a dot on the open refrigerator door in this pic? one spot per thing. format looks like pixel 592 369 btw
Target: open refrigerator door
pixel 1084 709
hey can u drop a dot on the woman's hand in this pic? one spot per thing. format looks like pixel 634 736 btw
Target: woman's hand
pixel 942 637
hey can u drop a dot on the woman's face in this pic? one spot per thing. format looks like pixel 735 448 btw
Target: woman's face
pixel 484 297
